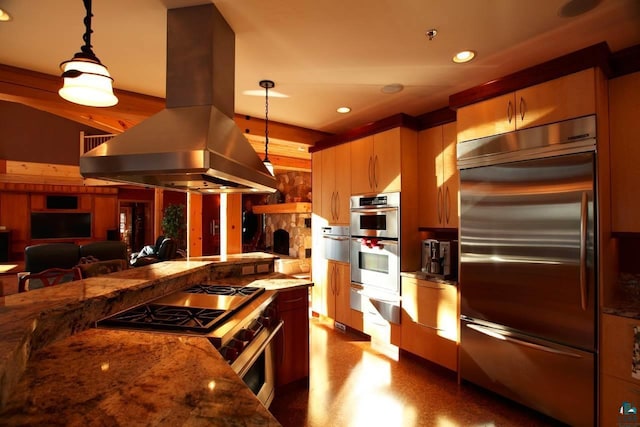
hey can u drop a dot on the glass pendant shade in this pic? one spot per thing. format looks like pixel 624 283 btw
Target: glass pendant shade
pixel 87 82
pixel 269 166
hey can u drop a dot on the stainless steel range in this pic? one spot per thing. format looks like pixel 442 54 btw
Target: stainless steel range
pixel 239 321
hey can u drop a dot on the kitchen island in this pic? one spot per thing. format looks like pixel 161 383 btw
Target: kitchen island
pixel 53 362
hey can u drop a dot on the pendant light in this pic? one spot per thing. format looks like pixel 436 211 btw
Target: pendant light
pixel 267 84
pixel 86 80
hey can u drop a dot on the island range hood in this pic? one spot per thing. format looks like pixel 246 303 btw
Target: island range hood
pixel 193 144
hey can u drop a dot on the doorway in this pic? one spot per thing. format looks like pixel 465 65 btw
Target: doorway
pixel 136 224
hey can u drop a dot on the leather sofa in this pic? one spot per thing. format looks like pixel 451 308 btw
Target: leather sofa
pixel 67 255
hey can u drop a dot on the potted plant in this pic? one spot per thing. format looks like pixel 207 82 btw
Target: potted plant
pixel 174 224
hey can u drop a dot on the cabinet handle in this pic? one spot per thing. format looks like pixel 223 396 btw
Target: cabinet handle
pixel 447 205
pixel 337 206
pixel 333 205
pixel 509 111
pixel 291 301
pixel 430 327
pixel 439 205
pixel 375 172
pixel 370 171
pixel 523 108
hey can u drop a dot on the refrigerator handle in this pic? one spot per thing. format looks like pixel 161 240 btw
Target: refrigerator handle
pixel 584 212
pixel 494 333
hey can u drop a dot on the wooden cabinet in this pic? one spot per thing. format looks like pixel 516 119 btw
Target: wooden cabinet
pixel 376 161
pixel 430 321
pixel 624 110
pixel 438 177
pixel 292 344
pixel 105 216
pixel 331 291
pixel 563 98
pixel 336 184
pixel 618 381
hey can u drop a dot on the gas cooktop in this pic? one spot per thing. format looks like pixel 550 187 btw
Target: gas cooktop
pixel 198 309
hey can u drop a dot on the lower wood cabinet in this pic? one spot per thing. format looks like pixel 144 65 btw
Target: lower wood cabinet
pixel 292 344
pixel 430 321
pixel 620 370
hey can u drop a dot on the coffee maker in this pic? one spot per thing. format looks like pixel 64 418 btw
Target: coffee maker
pixel 439 258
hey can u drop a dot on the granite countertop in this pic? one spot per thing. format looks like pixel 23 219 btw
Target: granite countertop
pixel 125 378
pixel 420 275
pixel 46 335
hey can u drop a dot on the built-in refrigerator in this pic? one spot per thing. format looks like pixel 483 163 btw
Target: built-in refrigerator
pixel 528 267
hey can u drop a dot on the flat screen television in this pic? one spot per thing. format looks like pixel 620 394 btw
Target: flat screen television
pixel 60 225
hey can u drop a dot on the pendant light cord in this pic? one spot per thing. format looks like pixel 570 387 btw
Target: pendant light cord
pixel 87 48
pixel 266 123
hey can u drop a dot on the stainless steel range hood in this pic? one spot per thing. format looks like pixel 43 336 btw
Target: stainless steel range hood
pixel 194 144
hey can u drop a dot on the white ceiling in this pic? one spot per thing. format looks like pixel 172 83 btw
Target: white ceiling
pixel 325 53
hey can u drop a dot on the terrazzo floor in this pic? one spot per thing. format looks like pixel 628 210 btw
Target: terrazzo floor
pixel 352 385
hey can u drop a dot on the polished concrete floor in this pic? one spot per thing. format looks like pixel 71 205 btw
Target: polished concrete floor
pixel 353 385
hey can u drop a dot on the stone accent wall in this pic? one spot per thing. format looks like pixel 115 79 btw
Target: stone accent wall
pixel 294 224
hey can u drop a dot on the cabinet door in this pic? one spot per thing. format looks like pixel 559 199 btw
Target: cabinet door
pixel 328 202
pixel 342 297
pixel 624 110
pixel 320 293
pixel 342 169
pixel 105 215
pixel 559 99
pixel 362 163
pixel 429 177
pixel 614 393
pixel 387 161
pixel 491 117
pixel 450 179
pixel 292 348
pixel 429 321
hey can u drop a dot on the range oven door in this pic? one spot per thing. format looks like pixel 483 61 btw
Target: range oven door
pixel 374 263
pixel 256 365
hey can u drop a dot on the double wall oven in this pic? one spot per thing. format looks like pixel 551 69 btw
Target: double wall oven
pixel 375 254
pixel 240 322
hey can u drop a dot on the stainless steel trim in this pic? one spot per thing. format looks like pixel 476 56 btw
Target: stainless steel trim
pixel 566 137
pixel 375 209
pixel 255 348
pixel 502 335
pixel 584 212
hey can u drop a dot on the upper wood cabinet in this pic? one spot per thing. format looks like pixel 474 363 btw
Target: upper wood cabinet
pixel 624 110
pixel 559 99
pixel 336 180
pixel 438 177
pixel 376 162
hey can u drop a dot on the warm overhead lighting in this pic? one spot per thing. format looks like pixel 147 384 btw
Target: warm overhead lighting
pixel 86 80
pixel 343 110
pixel 464 56
pixel 4 16
pixel 267 84
pixel 392 88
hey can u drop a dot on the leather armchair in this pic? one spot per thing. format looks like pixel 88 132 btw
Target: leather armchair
pixel 105 250
pixel 167 250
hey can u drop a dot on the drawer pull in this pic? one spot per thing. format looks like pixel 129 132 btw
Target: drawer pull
pixel 430 327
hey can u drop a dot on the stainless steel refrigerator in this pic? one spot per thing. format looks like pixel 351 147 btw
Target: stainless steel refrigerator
pixel 527 267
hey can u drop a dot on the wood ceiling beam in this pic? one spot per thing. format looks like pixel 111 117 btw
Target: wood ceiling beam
pixel 40 91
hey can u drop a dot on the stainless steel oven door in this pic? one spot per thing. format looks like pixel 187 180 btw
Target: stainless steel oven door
pixel 335 240
pixel 376 222
pixel 255 365
pixel 375 263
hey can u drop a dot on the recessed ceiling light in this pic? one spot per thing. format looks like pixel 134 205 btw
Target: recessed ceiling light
pixel 4 16
pixel 343 110
pixel 392 88
pixel 464 56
